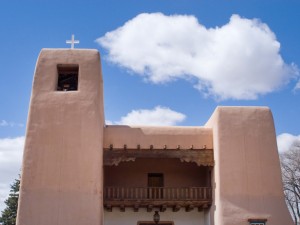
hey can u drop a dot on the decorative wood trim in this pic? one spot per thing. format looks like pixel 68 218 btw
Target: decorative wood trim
pixel 202 157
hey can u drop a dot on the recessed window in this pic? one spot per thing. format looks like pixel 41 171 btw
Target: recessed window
pixel 67 77
pixel 257 221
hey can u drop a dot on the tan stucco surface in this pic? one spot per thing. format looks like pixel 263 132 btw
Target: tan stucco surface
pixel 179 218
pixel 145 136
pixel 62 165
pixel 247 177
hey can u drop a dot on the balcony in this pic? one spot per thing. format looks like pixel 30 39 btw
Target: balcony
pixel 157 197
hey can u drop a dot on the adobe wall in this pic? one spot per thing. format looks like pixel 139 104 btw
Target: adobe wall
pixel 62 165
pixel 158 136
pixel 247 177
pixel 179 218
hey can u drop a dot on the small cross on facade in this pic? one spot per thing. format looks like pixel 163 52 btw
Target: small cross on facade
pixel 72 42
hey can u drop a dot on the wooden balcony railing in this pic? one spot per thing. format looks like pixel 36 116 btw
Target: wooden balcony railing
pixel 175 197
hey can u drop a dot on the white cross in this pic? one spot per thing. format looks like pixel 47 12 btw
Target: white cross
pixel 72 41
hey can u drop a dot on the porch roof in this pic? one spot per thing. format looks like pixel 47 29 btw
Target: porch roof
pixel 189 144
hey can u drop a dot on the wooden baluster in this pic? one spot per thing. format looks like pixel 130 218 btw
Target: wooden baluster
pixel 167 193
pixel 145 193
pixel 150 192
pixel 122 193
pixel 186 193
pixel 136 193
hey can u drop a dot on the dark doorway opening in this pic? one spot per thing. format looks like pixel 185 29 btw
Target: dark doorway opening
pixel 155 185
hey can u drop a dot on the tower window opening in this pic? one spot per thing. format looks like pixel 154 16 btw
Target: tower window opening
pixel 67 77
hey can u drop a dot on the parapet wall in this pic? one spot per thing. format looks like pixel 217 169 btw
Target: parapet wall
pixel 247 176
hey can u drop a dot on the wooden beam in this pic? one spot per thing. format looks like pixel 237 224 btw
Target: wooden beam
pixel 189 208
pixel 122 208
pixel 176 208
pixel 149 208
pixel 108 208
pixel 136 208
pixel 163 208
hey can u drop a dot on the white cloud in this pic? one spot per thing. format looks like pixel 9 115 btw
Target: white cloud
pixel 297 85
pixel 239 60
pixel 285 141
pixel 11 150
pixel 159 116
pixel 4 123
pixel 109 122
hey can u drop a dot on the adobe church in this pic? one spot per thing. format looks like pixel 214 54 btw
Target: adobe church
pixel 79 171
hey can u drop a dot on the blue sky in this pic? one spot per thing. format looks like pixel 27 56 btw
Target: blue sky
pixel 241 53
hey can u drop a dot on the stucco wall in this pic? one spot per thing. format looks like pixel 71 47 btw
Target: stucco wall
pixel 247 177
pixel 62 165
pixel 131 218
pixel 158 136
pixel 176 173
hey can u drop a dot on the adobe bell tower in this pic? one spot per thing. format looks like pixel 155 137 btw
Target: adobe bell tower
pixel 62 164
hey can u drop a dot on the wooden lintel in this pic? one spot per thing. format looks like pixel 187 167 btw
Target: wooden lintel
pixel 200 208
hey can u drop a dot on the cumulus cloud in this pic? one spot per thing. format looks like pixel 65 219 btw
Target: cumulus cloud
pixel 239 60
pixel 11 150
pixel 159 116
pixel 285 141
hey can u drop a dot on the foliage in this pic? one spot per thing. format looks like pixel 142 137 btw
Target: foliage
pixel 290 167
pixel 9 214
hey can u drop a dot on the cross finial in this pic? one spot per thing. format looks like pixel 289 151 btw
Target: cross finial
pixel 72 42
